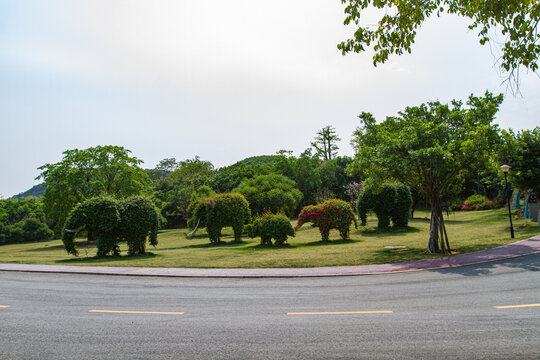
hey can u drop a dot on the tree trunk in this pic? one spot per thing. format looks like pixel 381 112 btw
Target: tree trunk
pixel 438 238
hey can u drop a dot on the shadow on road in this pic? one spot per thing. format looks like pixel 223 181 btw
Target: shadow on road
pixel 527 262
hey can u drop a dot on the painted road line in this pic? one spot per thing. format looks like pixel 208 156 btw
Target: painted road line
pixel 4 306
pixel 136 312
pixel 341 312
pixel 516 306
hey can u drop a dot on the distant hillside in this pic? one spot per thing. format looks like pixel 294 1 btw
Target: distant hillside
pixel 36 191
pixel 263 160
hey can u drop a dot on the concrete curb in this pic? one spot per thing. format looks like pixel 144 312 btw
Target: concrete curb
pixel 517 249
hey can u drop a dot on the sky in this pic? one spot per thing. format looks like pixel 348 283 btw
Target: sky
pixel 223 80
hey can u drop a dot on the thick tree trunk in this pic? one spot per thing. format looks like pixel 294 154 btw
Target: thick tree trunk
pixel 438 238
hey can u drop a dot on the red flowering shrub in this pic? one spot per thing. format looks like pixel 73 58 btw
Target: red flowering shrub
pixel 331 214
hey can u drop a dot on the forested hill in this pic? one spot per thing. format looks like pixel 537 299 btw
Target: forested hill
pixel 263 160
pixel 36 191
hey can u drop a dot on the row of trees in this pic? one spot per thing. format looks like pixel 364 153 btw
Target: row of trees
pixel 441 151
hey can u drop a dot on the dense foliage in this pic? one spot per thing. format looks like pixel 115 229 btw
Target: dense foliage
pixel 430 148
pixel 173 192
pixel 84 174
pixel 22 221
pixel 390 202
pixel 331 214
pixel 111 221
pixel 273 192
pixel 517 21
pixel 221 210
pixel 521 151
pixel 271 226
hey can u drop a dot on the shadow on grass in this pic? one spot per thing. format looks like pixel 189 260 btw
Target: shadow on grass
pixel 330 243
pixel 107 259
pixel 213 245
pixel 401 231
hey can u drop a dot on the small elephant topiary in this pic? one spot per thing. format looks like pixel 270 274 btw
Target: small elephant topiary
pixel 271 226
pixel 390 202
pixel 112 221
pixel 221 210
pixel 331 214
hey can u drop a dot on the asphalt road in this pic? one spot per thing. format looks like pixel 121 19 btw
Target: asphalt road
pixel 435 314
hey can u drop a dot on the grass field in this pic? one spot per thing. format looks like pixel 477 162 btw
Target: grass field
pixel 468 231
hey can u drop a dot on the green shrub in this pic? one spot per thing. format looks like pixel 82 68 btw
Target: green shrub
pixel 271 226
pixel 402 205
pixel 331 214
pixel 390 202
pixel 222 210
pixel 478 202
pixel 111 221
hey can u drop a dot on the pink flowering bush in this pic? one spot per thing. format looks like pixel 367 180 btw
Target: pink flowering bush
pixel 331 214
pixel 478 202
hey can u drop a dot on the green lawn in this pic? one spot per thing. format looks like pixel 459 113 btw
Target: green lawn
pixel 468 231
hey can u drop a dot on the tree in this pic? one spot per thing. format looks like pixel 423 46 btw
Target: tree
pixel 87 173
pixel 522 152
pixel 517 21
pixel 272 193
pixel 430 148
pixel 325 143
pixel 172 194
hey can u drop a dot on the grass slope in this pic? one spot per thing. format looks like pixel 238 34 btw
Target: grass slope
pixel 468 231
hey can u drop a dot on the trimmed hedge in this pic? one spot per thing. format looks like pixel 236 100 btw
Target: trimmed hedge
pixel 111 221
pixel 221 210
pixel 391 202
pixel 271 226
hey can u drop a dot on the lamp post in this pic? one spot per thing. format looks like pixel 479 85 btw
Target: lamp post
pixel 504 169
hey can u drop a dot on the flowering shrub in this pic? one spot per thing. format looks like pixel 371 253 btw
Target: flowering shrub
pixel 331 214
pixel 222 210
pixel 268 226
pixel 478 202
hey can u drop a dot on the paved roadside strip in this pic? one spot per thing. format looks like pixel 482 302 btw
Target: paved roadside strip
pixel 520 248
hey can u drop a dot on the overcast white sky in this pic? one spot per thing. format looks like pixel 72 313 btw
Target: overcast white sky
pixel 220 79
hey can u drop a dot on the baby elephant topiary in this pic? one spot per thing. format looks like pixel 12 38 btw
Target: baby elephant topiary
pixel 270 226
pixel 331 214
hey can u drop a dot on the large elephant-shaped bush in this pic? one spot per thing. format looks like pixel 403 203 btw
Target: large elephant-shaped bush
pixel 390 202
pixel 221 210
pixel 112 221
pixel 331 214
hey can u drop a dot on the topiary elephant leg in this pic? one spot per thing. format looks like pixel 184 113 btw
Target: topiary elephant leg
pixel 344 233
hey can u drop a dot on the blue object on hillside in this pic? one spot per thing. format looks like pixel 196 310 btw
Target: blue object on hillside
pixel 526 212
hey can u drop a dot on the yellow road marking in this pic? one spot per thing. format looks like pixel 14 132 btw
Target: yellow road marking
pixel 4 306
pixel 341 312
pixel 136 312
pixel 515 306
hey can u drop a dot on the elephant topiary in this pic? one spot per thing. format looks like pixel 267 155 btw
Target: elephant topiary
pixel 331 214
pixel 270 226
pixel 221 210
pixel 392 201
pixel 112 221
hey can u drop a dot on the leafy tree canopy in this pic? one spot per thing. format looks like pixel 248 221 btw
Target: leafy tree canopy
pixel 83 174
pixel 521 151
pixel 516 20
pixel 430 148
